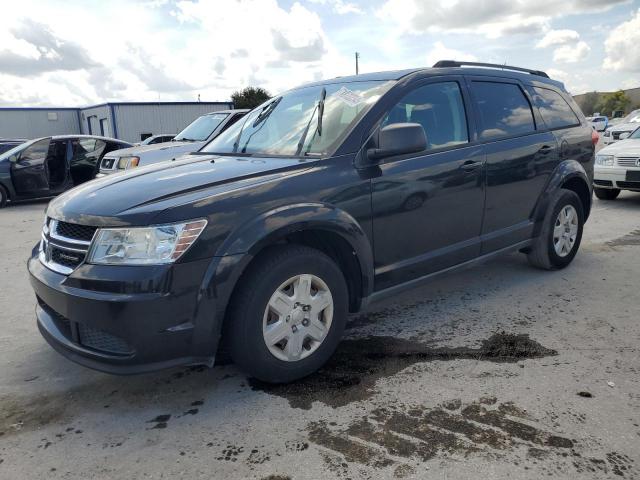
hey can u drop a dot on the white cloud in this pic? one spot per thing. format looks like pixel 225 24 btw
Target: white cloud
pixel 441 52
pixel 558 37
pixel 621 46
pixel 491 18
pixel 340 6
pixel 571 53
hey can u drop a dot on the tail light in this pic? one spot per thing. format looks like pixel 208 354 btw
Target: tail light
pixel 594 137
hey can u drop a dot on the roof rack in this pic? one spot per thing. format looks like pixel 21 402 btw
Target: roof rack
pixel 455 63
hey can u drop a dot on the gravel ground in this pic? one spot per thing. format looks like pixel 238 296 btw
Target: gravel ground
pixel 499 372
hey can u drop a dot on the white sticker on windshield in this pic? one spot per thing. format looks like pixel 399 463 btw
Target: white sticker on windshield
pixel 349 97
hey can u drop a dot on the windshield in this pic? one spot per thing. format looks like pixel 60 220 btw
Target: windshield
pixel 18 149
pixel 201 128
pixel 633 117
pixel 288 124
pixel 636 134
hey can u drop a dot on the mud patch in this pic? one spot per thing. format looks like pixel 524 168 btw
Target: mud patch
pixel 351 373
pixel 18 414
pixel 404 437
pixel 632 238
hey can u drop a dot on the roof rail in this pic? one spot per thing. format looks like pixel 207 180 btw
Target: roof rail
pixel 455 63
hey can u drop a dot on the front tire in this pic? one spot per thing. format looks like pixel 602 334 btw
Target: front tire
pixel 561 233
pixel 288 314
pixel 606 193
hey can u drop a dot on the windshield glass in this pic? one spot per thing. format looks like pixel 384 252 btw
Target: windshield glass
pixel 633 117
pixel 635 134
pixel 278 126
pixel 17 149
pixel 200 129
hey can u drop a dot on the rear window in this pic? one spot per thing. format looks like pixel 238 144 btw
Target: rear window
pixel 555 110
pixel 504 110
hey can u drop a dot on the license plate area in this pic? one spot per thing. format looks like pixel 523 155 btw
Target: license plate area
pixel 633 176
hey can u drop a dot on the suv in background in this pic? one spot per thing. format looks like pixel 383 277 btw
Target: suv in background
pixel 198 133
pixel 282 225
pixel 153 139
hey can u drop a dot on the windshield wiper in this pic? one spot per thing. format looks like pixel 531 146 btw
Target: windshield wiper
pixel 266 111
pixel 320 108
pixel 184 139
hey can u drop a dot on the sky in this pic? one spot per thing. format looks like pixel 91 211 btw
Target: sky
pixel 76 53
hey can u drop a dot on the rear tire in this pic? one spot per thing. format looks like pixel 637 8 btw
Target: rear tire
pixel 288 314
pixel 606 193
pixel 3 196
pixel 561 233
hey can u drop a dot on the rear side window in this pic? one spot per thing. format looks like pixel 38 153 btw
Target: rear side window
pixel 439 108
pixel 504 110
pixel 555 110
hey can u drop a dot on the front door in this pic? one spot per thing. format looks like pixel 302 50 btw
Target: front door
pixel 428 207
pixel 29 169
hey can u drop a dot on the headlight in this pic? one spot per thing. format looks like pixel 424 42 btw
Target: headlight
pixel 604 160
pixel 128 162
pixel 144 245
pixel 607 133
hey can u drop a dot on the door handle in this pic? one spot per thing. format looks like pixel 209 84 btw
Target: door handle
pixel 470 165
pixel 545 149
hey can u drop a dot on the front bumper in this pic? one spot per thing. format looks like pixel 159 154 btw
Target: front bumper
pixel 127 319
pixel 614 177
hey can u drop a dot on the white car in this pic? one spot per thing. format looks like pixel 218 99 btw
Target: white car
pixel 599 123
pixel 627 125
pixel 617 167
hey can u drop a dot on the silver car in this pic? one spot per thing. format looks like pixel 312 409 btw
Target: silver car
pixel 627 125
pixel 199 132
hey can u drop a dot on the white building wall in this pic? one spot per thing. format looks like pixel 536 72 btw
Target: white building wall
pixel 34 123
pixel 134 120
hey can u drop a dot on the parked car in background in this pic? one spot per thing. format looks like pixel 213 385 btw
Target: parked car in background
pixel 153 139
pixel 198 133
pixel 45 167
pixel 253 241
pixel 599 123
pixel 9 143
pixel 618 167
pixel 626 125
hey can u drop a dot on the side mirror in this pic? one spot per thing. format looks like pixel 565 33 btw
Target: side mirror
pixel 624 135
pixel 399 139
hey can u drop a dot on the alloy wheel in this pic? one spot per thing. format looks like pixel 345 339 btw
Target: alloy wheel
pixel 565 231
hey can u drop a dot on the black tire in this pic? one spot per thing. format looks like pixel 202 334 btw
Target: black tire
pixel 606 193
pixel 543 253
pixel 244 323
pixel 3 197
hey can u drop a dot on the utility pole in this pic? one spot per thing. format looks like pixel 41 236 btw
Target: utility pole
pixel 357 57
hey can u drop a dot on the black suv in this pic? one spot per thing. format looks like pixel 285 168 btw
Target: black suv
pixel 318 202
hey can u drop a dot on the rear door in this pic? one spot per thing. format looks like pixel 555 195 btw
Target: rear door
pixel 521 154
pixel 427 207
pixel 29 171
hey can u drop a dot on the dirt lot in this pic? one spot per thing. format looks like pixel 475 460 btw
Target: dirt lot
pixel 497 372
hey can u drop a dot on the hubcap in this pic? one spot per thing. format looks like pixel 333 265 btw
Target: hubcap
pixel 297 318
pixel 565 231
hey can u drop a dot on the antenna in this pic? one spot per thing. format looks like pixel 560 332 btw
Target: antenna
pixel 357 58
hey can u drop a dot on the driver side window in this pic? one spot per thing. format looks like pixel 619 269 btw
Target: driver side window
pixel 37 151
pixel 439 108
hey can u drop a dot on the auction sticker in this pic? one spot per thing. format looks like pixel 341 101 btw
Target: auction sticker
pixel 349 97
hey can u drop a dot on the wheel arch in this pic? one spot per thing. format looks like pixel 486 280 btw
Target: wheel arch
pixel 571 175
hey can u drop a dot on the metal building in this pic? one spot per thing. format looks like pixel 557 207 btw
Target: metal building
pixel 130 121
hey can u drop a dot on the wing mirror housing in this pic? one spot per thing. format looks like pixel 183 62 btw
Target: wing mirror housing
pixel 399 139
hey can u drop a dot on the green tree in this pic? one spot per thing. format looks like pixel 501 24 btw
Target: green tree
pixel 613 101
pixel 249 97
pixel 589 103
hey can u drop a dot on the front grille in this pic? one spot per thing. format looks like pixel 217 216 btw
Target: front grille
pixel 603 183
pixel 616 135
pixel 103 341
pixel 627 161
pixel 75 232
pixel 632 185
pixel 64 245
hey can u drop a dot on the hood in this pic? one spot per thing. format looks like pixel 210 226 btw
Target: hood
pixel 627 147
pixel 161 151
pixel 624 127
pixel 136 196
